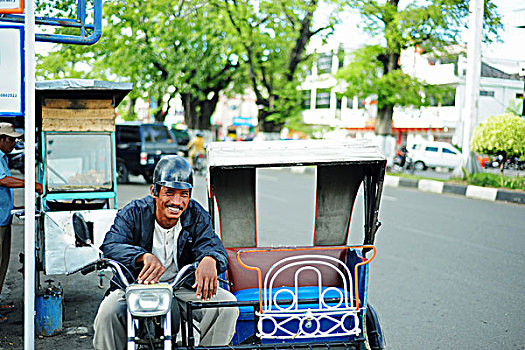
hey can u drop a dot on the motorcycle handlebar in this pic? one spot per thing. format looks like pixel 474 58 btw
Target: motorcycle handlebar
pixel 88 269
pixel 91 266
pixel 102 264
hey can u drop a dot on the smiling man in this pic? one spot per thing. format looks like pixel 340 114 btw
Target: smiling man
pixel 153 237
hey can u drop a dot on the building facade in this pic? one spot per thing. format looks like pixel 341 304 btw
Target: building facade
pixel 500 87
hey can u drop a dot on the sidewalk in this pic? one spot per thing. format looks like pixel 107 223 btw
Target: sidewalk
pixel 81 295
pixel 486 193
pixel 443 187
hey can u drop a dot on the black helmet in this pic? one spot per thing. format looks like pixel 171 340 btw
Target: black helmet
pixel 173 172
pixel 198 134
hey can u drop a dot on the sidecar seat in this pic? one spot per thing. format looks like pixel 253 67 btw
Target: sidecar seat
pixel 298 273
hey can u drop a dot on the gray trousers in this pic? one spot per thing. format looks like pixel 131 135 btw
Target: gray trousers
pixel 217 325
pixel 5 252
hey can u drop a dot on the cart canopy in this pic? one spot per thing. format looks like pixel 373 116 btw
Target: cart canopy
pixel 340 169
pixel 83 88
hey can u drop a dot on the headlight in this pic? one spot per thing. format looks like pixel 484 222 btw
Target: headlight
pixel 149 300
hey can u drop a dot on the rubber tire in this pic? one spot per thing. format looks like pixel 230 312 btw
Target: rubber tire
pixel 122 174
pixel 419 166
pixel 374 333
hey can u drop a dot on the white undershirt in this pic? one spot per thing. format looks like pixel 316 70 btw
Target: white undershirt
pixel 165 249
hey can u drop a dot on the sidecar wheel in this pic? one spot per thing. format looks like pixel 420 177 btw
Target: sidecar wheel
pixel 373 331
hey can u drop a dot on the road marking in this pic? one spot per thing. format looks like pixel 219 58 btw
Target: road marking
pixel 389 198
pixel 431 186
pixel 481 192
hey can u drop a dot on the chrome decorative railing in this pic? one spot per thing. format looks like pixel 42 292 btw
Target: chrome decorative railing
pixel 339 317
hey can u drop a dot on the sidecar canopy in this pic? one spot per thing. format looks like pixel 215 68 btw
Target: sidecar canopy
pixel 340 169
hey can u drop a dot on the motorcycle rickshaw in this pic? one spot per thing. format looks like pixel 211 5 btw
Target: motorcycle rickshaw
pixel 289 297
pixel 297 297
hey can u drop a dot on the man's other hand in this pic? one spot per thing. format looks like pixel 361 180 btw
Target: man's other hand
pixel 38 188
pixel 152 269
pixel 206 278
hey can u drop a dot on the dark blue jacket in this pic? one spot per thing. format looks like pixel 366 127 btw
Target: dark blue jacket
pixel 132 235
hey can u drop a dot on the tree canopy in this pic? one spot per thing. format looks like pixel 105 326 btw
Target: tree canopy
pixel 431 26
pixel 198 49
pixel 164 48
pixel 273 36
pixel 500 135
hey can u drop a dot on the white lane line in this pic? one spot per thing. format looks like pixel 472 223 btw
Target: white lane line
pixel 389 198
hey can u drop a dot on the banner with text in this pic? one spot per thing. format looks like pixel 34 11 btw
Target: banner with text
pixel 11 6
pixel 11 70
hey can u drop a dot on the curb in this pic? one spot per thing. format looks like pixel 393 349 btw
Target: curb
pixel 471 191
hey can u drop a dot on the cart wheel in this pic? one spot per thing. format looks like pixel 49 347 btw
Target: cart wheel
pixel 122 173
pixel 374 332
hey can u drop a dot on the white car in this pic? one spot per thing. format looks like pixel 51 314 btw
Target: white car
pixel 434 154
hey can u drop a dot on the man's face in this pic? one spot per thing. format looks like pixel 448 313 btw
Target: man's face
pixel 7 144
pixel 170 204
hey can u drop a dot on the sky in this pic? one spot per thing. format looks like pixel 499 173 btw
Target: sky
pixel 511 47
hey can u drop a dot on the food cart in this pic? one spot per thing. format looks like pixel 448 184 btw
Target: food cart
pixel 75 128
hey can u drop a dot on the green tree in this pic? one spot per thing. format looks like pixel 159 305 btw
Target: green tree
pixel 165 48
pixel 272 39
pixel 500 135
pixel 429 25
pixel 515 107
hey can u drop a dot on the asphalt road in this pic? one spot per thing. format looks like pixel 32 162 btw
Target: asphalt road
pixel 448 274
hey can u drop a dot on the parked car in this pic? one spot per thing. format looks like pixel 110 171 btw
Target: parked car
pixel 139 148
pixel 183 138
pixel 434 155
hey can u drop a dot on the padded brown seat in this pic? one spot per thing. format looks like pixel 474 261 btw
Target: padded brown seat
pixel 263 258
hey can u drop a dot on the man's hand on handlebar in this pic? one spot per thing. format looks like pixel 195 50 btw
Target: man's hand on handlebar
pixel 152 270
pixel 206 278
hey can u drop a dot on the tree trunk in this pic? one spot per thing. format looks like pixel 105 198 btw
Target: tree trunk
pixel 160 116
pixel 190 113
pixel 384 121
pixel 266 125
pixel 207 107
pixel 197 113
pixel 131 108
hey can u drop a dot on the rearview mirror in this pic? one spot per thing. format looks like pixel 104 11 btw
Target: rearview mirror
pixel 81 229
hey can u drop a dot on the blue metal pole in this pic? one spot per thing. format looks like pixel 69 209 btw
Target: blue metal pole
pixel 94 30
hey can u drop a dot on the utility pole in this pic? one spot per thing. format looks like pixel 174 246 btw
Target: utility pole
pixel 522 74
pixel 470 110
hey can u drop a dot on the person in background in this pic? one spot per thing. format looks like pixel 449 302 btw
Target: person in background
pixel 8 140
pixel 195 146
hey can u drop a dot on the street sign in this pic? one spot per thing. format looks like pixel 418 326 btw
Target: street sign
pixel 11 70
pixel 11 6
